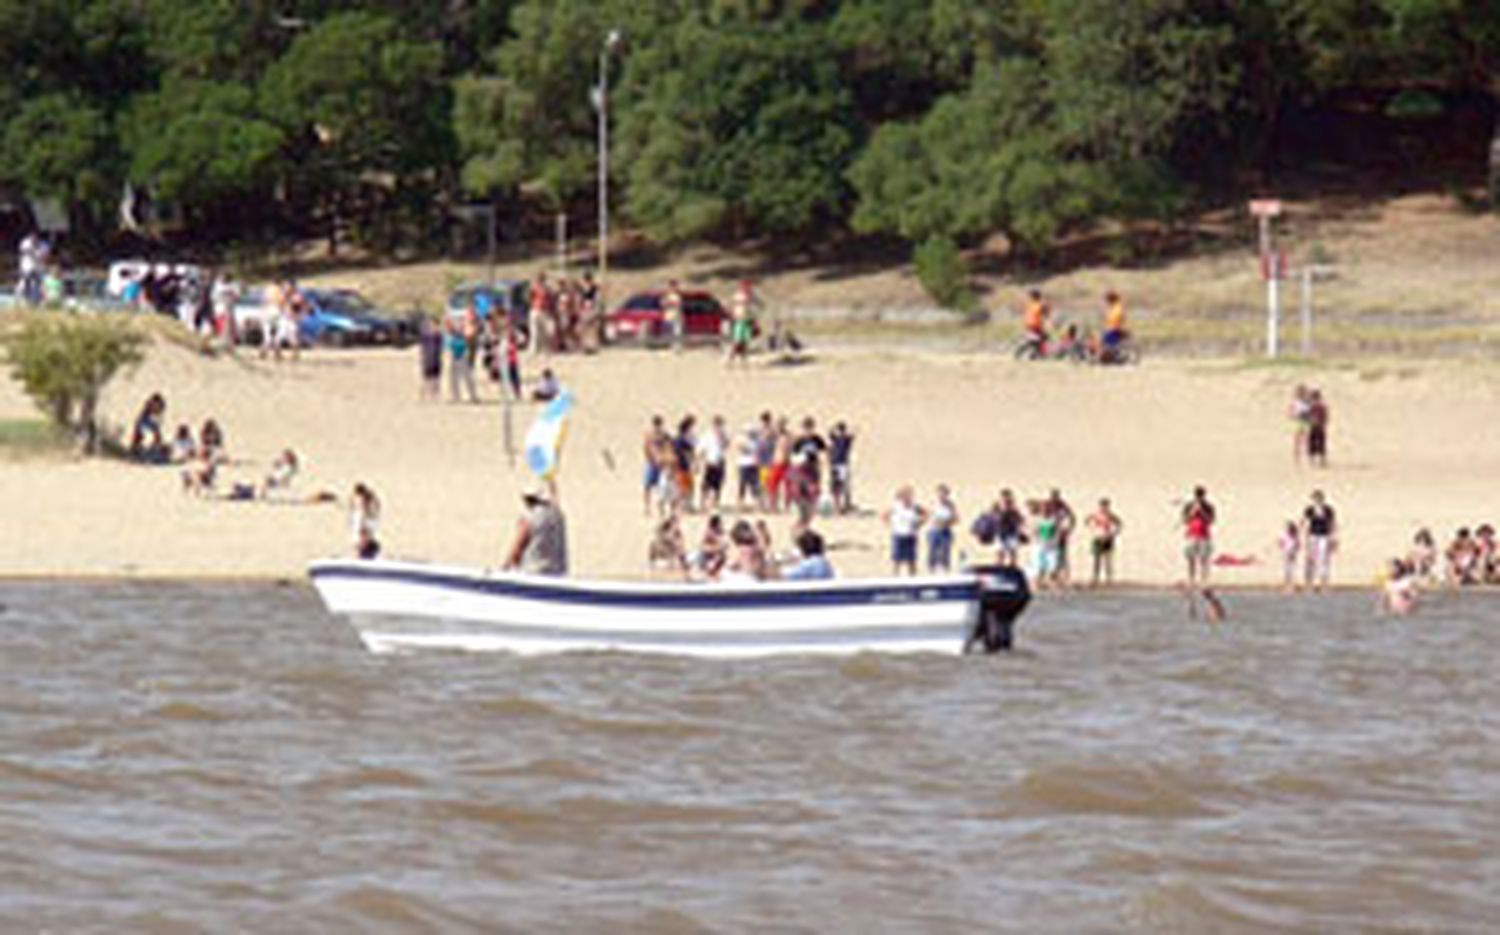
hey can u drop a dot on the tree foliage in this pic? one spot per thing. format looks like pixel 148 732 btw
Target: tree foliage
pixel 919 118
pixel 63 362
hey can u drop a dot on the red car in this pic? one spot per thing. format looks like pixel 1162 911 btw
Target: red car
pixel 641 319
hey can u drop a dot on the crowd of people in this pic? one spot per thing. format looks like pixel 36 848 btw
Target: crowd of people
pixel 776 468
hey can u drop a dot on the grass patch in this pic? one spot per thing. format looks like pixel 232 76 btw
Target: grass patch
pixel 31 438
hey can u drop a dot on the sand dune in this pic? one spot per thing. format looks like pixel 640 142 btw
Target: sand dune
pixel 1411 445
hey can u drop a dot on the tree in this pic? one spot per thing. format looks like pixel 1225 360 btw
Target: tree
pixel 58 146
pixel 364 113
pixel 64 362
pixel 200 143
pixel 745 126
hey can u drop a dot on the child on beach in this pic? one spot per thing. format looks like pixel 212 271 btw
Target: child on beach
pixel 1290 546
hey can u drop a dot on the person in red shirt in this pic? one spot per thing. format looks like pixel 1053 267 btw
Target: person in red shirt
pixel 1197 524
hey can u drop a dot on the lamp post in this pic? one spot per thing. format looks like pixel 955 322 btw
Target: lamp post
pixel 601 101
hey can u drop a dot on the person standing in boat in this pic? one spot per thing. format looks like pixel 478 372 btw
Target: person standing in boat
pixel 540 546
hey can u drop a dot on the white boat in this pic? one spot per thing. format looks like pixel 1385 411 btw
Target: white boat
pixel 404 606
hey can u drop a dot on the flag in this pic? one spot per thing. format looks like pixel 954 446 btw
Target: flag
pixel 545 437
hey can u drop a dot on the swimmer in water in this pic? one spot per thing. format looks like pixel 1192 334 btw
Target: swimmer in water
pixel 1398 592
pixel 1213 609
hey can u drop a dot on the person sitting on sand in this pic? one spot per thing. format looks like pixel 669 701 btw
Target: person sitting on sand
pixel 813 564
pixel 283 471
pixel 547 387
pixel 211 440
pixel 364 521
pixel 146 441
pixel 667 550
pixel 184 449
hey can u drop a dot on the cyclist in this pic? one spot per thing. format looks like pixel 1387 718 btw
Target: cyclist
pixel 1034 318
pixel 1114 325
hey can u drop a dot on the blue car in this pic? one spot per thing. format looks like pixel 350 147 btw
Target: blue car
pixel 344 318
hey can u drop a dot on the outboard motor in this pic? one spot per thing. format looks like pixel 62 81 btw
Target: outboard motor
pixel 1003 594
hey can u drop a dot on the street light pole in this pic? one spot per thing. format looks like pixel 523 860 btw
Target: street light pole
pixel 602 102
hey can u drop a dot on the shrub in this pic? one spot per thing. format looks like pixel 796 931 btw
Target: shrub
pixel 64 362
pixel 943 273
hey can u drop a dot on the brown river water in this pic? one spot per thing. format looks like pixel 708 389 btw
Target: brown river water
pixel 183 758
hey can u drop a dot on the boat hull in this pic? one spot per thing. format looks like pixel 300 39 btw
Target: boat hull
pixel 403 606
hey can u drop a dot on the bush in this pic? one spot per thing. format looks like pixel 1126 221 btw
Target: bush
pixel 943 273
pixel 64 362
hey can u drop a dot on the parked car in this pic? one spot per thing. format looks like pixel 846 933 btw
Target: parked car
pixel 641 318
pixel 340 317
pixel 512 296
pixel 89 292
pixel 344 318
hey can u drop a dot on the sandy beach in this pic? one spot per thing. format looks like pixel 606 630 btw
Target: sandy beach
pixel 1412 444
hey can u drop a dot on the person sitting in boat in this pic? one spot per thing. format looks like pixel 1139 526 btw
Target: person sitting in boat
pixel 813 565
pixel 748 561
pixel 540 546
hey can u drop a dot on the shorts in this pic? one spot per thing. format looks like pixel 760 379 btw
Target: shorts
pixel 713 478
pixel 939 549
pixel 838 477
pixel 904 549
pixel 651 477
pixel 1048 561
pixel 1011 543
pixel 1105 546
pixel 739 333
pixel 749 479
pixel 776 478
pixel 1200 550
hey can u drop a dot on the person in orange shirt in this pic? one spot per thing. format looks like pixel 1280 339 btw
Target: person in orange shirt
pixel 1114 321
pixel 1034 316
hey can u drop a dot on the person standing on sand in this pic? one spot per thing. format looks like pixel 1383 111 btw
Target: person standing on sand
pixel 656 452
pixel 671 310
pixel 1320 531
pixel 1298 411
pixel 430 359
pixel 1198 518
pixel 840 469
pixel 713 453
pixel 781 464
pixel 940 533
pixel 1067 521
pixel 462 338
pixel 1317 429
pixel 905 519
pixel 742 323
pixel 1105 527
pixel 364 520
pixel 1290 547
pixel 540 546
